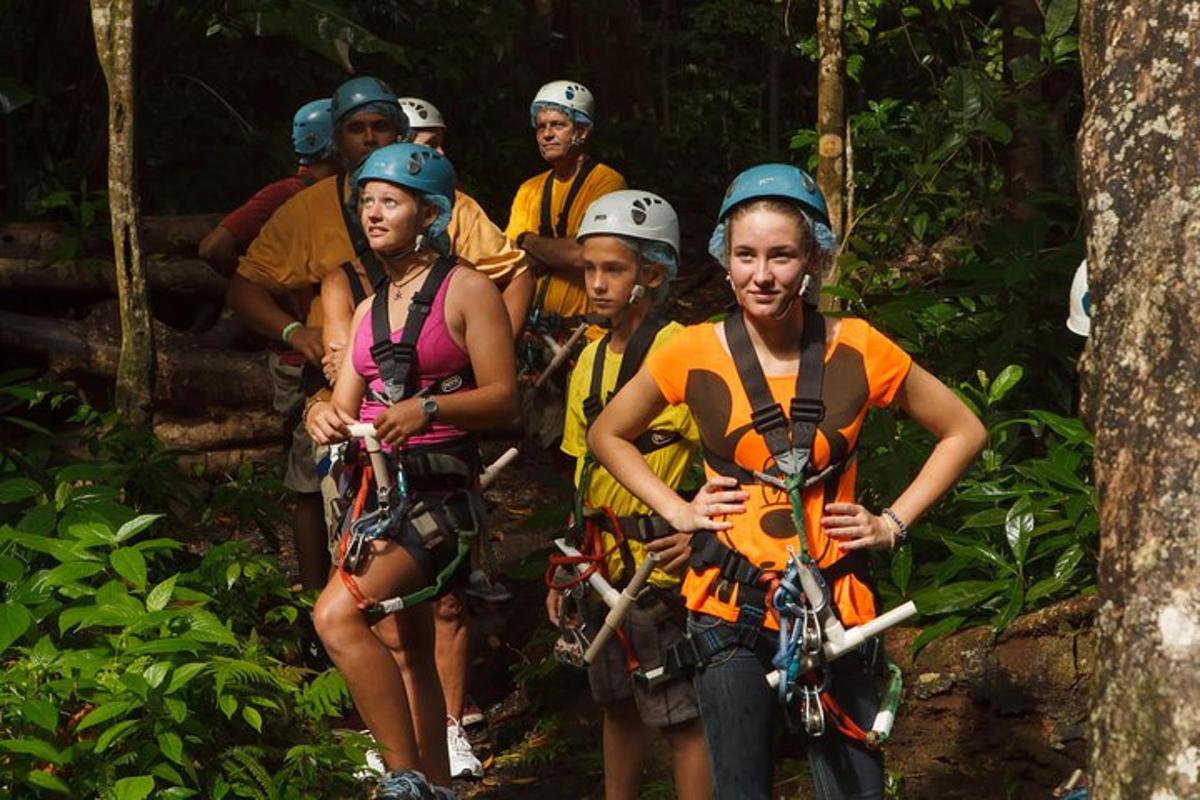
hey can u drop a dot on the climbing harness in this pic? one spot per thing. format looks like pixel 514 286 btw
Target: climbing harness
pixel 444 523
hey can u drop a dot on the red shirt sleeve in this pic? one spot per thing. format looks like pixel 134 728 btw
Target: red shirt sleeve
pixel 245 222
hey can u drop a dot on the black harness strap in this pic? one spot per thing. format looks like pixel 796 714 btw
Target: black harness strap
pixel 558 230
pixel 356 288
pixel 631 361
pixel 358 239
pixel 396 360
pixel 792 453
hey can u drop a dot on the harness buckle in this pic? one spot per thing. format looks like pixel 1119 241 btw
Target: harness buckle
pixel 769 418
pixel 807 409
pixel 792 461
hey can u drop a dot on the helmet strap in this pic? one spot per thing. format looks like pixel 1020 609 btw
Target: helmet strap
pixel 804 284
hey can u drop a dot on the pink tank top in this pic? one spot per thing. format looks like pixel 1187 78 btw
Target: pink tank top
pixel 438 356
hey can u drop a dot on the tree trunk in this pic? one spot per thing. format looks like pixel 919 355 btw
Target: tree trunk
pixel 1023 155
pixel 112 21
pixel 1139 168
pixel 831 116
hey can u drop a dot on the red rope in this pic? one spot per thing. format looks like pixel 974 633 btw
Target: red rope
pixel 361 600
pixel 591 553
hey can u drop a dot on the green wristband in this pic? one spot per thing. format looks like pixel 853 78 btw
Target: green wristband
pixel 289 329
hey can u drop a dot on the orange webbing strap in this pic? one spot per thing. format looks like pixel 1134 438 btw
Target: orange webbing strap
pixel 360 502
pixel 843 723
pixel 592 553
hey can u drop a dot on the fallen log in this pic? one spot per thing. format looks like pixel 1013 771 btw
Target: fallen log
pixel 191 377
pixel 171 235
pixel 189 276
pixel 213 463
pixel 221 429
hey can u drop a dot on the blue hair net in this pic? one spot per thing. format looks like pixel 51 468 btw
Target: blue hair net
pixel 655 253
pixel 436 234
pixel 718 244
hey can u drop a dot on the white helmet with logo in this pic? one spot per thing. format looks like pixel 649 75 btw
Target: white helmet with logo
pixel 1079 320
pixel 421 113
pixel 571 97
pixel 633 213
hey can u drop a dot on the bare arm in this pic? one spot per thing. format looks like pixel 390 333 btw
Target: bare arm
pixel 326 420
pixel 337 302
pixel 960 438
pixel 475 311
pixel 560 255
pixel 220 249
pixel 259 309
pixel 517 296
pixel 611 441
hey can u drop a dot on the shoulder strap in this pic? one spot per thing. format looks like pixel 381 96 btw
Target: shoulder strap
pixel 358 239
pixel 306 178
pixel 397 359
pixel 356 288
pixel 792 453
pixel 631 361
pixel 585 169
pixel 558 230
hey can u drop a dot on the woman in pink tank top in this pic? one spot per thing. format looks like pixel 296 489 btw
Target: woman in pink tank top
pixel 461 378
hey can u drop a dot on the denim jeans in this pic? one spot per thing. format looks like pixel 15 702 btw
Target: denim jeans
pixel 740 713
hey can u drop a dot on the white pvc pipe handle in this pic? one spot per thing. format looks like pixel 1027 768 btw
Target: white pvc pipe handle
pixel 489 475
pixel 561 356
pixel 603 588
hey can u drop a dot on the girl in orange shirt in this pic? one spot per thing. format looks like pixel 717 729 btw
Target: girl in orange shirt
pixel 774 240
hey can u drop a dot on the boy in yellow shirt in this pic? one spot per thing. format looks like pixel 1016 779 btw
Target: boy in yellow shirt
pixel 630 248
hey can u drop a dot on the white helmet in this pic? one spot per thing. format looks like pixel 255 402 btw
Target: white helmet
pixel 421 113
pixel 569 96
pixel 1079 320
pixel 632 213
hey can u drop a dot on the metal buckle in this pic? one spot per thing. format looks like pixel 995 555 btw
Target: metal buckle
pixel 814 714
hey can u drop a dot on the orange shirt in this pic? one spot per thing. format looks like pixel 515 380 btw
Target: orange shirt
pixel 863 369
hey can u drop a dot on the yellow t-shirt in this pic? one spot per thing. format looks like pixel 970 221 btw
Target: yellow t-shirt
pixel 669 463
pixel 306 239
pixel 565 296
pixel 300 244
pixel 475 238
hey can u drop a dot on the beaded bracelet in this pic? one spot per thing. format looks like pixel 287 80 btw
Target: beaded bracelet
pixel 901 528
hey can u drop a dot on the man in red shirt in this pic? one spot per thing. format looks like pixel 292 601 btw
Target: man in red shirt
pixel 312 136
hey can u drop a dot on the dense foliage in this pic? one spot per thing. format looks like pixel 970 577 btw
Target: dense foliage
pixel 131 666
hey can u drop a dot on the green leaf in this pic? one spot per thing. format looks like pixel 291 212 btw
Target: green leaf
pixel 130 565
pixel 1008 378
pixel 11 569
pixel 1016 601
pixel 160 595
pixel 42 713
pixel 1067 562
pixel 39 520
pixel 1043 588
pixel 979 552
pixel 183 674
pixel 137 525
pixel 1018 528
pixel 937 629
pixel 44 780
pixel 135 788
pixel 72 572
pixel 956 596
pixel 252 717
pixel 995 129
pixel 104 712
pixel 1059 17
pixel 176 708
pixel 32 747
pixel 228 704
pixel 171 746
pixel 14 490
pixel 114 733
pixel 14 621
pixel 901 569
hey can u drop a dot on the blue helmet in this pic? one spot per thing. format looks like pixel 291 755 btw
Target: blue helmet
pixel 312 131
pixel 776 180
pixel 369 94
pixel 419 168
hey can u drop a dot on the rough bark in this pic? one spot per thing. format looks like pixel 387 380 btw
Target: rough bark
pixel 179 275
pixel 191 377
pixel 112 21
pixel 831 115
pixel 177 235
pixel 1140 176
pixel 221 429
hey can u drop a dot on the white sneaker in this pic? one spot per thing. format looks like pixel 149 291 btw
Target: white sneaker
pixel 373 769
pixel 480 586
pixel 463 763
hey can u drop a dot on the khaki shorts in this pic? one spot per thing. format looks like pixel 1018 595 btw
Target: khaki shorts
pixel 301 473
pixel 650 633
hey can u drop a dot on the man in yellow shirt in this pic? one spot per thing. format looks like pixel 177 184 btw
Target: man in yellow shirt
pixel 548 208
pixel 311 234
pixel 630 252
